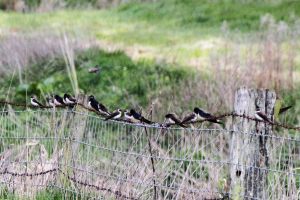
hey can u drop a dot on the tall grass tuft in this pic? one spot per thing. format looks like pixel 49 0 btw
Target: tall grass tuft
pixel 68 54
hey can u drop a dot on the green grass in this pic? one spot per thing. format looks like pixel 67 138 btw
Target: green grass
pixel 175 29
pixel 47 194
pixel 121 81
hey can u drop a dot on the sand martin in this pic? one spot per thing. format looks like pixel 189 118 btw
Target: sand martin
pixel 172 118
pixel 190 118
pixel 102 109
pixel 261 115
pixel 35 103
pixel 206 116
pixel 115 115
pixel 93 103
pixel 58 101
pixel 50 102
pixel 69 100
pixel 139 117
pixel 95 69
pixel 128 116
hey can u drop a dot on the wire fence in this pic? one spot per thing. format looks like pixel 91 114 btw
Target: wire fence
pixel 78 154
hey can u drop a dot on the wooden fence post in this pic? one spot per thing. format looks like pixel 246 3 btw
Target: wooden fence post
pixel 248 146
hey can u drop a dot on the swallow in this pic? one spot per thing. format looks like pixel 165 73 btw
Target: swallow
pixel 58 101
pixel 172 118
pixel 261 116
pixel 50 102
pixel 284 109
pixel 206 116
pixel 69 100
pixel 93 103
pixel 35 103
pixel 139 117
pixel 128 116
pixel 102 109
pixel 115 115
pixel 190 118
pixel 95 69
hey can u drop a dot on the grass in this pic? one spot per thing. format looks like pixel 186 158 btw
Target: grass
pixel 47 194
pixel 176 31
pixel 121 81
pixel 173 32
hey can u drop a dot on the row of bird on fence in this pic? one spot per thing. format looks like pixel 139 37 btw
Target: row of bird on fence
pixel 136 117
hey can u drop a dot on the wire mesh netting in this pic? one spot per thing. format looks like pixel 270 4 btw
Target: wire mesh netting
pixel 81 155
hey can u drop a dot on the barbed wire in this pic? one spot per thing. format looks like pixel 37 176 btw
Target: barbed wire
pixel 28 174
pixel 165 125
pixel 203 161
pixel 167 128
pixel 135 181
pixel 85 184
pixel 96 187
pixel 123 152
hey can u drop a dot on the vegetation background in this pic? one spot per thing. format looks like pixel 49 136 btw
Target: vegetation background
pixel 159 55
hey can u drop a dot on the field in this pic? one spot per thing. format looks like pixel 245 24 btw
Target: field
pixel 156 57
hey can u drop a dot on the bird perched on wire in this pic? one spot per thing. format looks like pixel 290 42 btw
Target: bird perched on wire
pixel 138 117
pixel 50 102
pixel 35 103
pixel 128 116
pixel 172 118
pixel 94 104
pixel 102 109
pixel 58 101
pixel 190 118
pixel 206 116
pixel 95 69
pixel 69 100
pixel 260 115
pixel 115 115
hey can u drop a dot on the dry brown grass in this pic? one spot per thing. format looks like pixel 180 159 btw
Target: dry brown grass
pixel 267 59
pixel 19 51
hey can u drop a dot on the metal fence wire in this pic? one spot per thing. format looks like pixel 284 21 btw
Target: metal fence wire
pixel 82 156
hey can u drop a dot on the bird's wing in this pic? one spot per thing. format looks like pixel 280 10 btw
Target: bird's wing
pixel 208 115
pixel 176 120
pixel 187 118
pixel 35 101
pixel 282 110
pixel 143 119
pixel 72 99
pixel 215 121
pixel 263 116
pixel 60 100
pixel 135 114
pixel 102 107
pixel 112 115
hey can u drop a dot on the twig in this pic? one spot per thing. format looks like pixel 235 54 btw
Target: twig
pixel 152 163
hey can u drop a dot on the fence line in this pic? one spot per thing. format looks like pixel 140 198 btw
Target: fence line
pixel 221 116
pixel 228 162
pixel 92 154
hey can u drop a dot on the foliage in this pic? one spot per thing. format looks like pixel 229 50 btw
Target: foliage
pixel 119 82
pixel 243 15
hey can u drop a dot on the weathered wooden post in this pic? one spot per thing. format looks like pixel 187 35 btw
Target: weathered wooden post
pixel 248 146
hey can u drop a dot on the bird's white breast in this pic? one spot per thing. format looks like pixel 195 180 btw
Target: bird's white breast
pixel 171 120
pixel 34 104
pixel 118 116
pixel 56 102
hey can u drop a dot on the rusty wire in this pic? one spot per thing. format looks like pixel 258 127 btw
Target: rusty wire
pixel 220 116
